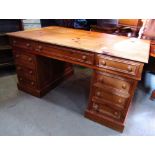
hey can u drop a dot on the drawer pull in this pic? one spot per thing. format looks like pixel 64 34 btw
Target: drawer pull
pixel 116 113
pixel 28 45
pixel 17 56
pixel 103 63
pixel 40 47
pixel 19 68
pixel 129 68
pixel 30 59
pixel 20 79
pixel 98 93
pixel 120 100
pixel 14 42
pixel 84 57
pixel 95 106
pixel 32 83
pixel 30 72
pixel 124 86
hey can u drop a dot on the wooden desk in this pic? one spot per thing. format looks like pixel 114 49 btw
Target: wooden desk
pixel 117 63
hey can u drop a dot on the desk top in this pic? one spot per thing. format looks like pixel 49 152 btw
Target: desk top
pixel 102 43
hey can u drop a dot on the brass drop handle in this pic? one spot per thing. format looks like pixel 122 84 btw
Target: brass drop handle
pixel 30 72
pixel 98 93
pixel 28 45
pixel 124 86
pixel 30 59
pixel 129 68
pixel 84 57
pixel 103 63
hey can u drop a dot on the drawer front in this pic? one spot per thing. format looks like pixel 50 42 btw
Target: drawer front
pixel 68 54
pixel 119 65
pixel 27 83
pixel 153 49
pixel 104 109
pixel 113 81
pixel 110 97
pixel 22 43
pixel 25 59
pixel 26 72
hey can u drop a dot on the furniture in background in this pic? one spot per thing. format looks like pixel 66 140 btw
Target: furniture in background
pixel 43 61
pixel 7 25
pixel 123 27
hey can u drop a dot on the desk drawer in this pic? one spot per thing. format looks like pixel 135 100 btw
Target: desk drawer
pixel 66 54
pixel 153 49
pixel 111 63
pixel 113 81
pixel 22 43
pixel 26 72
pixel 117 99
pixel 104 109
pixel 25 59
pixel 27 83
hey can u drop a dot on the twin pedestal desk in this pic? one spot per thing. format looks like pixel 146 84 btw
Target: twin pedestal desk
pixel 44 58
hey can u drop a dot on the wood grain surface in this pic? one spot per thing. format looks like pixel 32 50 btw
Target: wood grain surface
pixel 118 46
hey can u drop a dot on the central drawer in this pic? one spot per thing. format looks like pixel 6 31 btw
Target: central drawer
pixel 65 53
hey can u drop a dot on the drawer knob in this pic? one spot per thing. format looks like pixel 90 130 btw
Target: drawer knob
pixel 124 86
pixel 17 56
pixel 103 63
pixel 20 79
pixel 30 72
pixel 40 47
pixel 120 100
pixel 98 93
pixel 30 59
pixel 18 68
pixel 32 83
pixel 129 68
pixel 116 113
pixel 28 45
pixel 84 57
pixel 14 42
pixel 95 106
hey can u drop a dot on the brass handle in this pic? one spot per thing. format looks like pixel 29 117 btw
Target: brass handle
pixel 103 63
pixel 30 72
pixel 129 68
pixel 124 86
pixel 30 59
pixel 98 93
pixel 28 45
pixel 84 57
